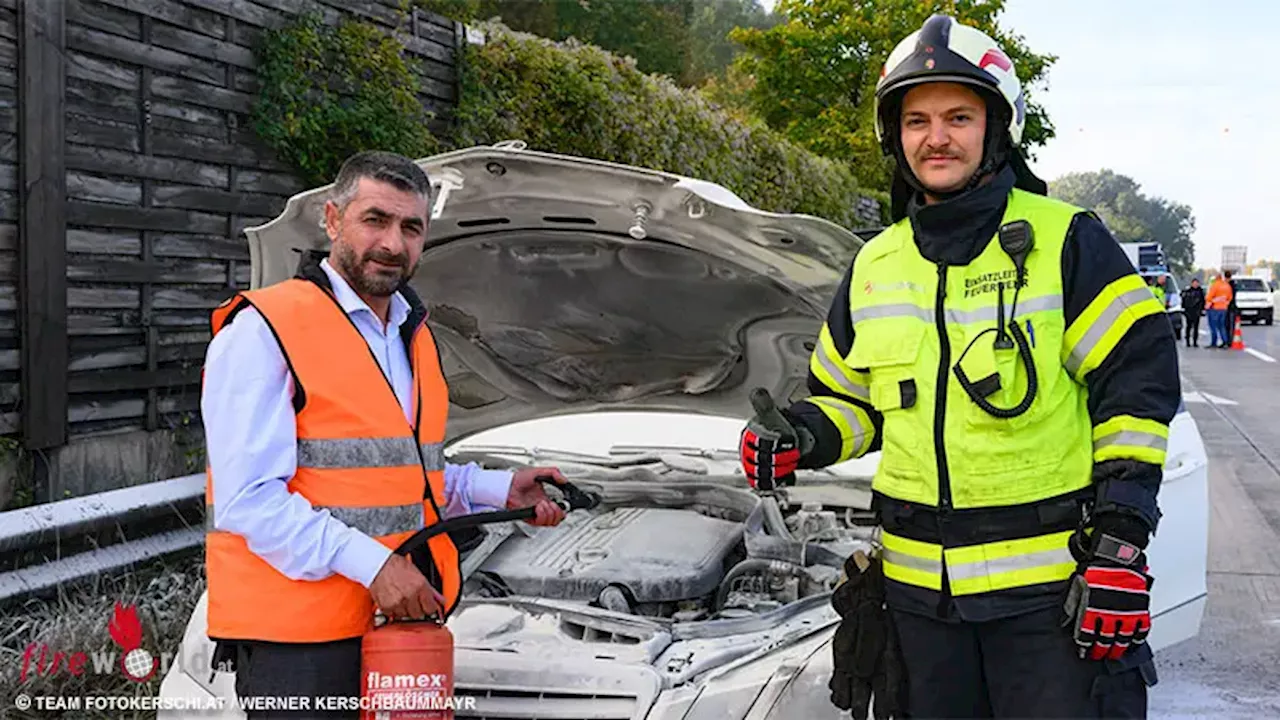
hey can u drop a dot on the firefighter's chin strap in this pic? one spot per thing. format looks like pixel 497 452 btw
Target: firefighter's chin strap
pixel 1016 239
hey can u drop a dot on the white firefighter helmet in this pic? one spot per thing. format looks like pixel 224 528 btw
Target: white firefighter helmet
pixel 943 50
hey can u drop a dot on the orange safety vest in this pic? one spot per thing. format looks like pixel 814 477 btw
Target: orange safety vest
pixel 1219 297
pixel 357 457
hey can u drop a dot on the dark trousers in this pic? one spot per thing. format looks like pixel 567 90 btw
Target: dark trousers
pixel 1021 667
pixel 306 671
pixel 1192 323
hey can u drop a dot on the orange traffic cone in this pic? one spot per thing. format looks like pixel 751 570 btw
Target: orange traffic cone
pixel 1238 342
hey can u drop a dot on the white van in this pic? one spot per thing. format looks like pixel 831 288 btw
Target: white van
pixel 1254 300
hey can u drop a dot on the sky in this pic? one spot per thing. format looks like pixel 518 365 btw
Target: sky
pixel 1174 94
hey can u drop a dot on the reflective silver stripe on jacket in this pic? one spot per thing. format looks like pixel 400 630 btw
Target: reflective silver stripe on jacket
pixel 901 559
pixel 842 381
pixel 892 310
pixel 373 520
pixel 1132 438
pixel 1026 561
pixel 348 453
pixel 955 316
pixel 988 313
pixel 1106 320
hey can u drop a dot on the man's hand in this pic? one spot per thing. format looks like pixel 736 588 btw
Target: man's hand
pixel 770 446
pixel 1108 604
pixel 402 592
pixel 1108 611
pixel 526 491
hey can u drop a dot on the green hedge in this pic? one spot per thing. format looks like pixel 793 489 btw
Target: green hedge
pixel 578 99
pixel 565 98
pixel 328 91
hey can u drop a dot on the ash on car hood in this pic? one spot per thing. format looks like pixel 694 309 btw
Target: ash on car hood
pixel 561 284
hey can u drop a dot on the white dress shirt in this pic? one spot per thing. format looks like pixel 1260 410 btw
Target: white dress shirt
pixel 247 405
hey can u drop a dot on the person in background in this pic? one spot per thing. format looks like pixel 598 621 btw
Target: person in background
pixel 1229 320
pixel 1192 309
pixel 1157 288
pixel 1219 299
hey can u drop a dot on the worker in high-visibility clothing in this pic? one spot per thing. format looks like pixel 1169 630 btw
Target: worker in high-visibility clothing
pixel 1219 302
pixel 1018 377
pixel 1158 289
pixel 324 409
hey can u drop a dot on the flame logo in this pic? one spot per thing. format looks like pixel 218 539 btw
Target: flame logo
pixel 136 663
pixel 125 628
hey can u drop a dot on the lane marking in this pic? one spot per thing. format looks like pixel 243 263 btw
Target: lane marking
pixel 1260 355
pixel 1204 397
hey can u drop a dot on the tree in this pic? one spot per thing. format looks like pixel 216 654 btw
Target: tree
pixel 814 74
pixel 1132 216
pixel 712 50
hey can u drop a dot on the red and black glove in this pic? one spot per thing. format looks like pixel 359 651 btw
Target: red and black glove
pixel 1108 604
pixel 770 446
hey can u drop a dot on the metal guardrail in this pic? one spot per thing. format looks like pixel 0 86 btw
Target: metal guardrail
pixel 45 546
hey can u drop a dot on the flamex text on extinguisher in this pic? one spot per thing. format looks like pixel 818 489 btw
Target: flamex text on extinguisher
pixel 358 456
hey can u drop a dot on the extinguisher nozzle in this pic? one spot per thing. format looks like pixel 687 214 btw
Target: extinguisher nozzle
pixel 574 497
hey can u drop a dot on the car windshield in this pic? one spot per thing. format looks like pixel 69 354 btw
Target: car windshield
pixel 1250 285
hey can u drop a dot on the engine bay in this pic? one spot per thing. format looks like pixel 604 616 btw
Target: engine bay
pixel 684 550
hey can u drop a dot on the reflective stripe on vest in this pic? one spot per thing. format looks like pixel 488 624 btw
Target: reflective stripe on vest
pixel 365 453
pixel 357 457
pixel 976 569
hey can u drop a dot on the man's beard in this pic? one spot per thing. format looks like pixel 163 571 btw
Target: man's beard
pixel 372 280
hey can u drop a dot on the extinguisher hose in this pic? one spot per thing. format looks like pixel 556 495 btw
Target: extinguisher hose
pixel 574 499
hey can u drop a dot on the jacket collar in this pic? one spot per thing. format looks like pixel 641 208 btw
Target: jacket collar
pixel 310 269
pixel 956 231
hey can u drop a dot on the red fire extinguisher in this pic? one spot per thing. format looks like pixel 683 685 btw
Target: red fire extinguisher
pixel 406 666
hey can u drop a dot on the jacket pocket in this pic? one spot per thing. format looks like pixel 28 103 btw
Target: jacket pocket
pixel 890 355
pixel 998 377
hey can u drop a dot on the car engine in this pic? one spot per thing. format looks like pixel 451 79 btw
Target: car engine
pixel 686 550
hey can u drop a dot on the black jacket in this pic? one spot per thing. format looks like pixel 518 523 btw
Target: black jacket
pixel 1193 301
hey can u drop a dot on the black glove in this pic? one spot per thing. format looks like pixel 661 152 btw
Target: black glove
pixel 867 660
pixel 771 445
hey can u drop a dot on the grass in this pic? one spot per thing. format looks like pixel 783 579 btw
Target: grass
pixel 164 592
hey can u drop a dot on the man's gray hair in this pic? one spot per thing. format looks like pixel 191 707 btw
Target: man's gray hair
pixel 388 167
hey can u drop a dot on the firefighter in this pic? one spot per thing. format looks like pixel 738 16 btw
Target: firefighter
pixel 1018 377
pixel 324 409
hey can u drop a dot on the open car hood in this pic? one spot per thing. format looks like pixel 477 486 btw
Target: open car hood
pixel 561 284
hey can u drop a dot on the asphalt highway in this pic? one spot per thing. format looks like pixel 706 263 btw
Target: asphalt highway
pixel 1232 670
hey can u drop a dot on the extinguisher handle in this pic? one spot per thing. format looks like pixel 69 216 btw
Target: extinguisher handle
pixel 575 499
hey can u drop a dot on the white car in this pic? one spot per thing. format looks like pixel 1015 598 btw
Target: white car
pixel 611 320
pixel 1254 300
